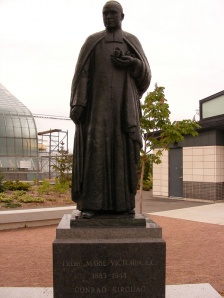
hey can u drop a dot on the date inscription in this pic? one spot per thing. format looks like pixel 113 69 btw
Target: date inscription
pixel 115 275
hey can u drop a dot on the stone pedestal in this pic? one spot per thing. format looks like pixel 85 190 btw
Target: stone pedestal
pixel 108 257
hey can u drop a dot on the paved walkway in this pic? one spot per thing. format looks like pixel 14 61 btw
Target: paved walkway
pixel 206 212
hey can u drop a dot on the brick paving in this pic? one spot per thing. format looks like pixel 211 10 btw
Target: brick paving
pixel 194 254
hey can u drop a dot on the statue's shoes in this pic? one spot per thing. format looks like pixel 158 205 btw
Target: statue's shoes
pixel 88 214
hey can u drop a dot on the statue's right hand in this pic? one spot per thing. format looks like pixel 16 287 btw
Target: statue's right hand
pixel 76 113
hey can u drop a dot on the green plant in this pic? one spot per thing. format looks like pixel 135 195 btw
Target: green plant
pixel 147 185
pixel 44 187
pixel 29 199
pixel 60 187
pixel 35 181
pixel 63 165
pixel 5 200
pixel 16 185
pixel 2 195
pixel 12 205
pixel 18 193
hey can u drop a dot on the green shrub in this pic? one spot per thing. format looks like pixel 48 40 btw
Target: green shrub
pixel 35 181
pixel 147 185
pixel 44 187
pixel 12 205
pixel 60 187
pixel 2 195
pixel 5 199
pixel 29 199
pixel 18 193
pixel 16 185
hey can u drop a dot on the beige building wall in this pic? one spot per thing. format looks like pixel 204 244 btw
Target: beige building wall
pixel 203 173
pixel 203 164
pixel 161 176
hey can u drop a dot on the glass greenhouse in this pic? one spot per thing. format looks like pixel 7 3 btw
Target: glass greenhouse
pixel 18 139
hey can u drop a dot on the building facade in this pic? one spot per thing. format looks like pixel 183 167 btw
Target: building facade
pixel 194 168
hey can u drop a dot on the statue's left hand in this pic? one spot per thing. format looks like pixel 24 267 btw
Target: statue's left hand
pixel 124 61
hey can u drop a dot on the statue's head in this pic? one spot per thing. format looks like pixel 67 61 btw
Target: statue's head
pixel 113 15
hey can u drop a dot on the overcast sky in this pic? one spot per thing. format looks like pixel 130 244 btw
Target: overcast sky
pixel 40 41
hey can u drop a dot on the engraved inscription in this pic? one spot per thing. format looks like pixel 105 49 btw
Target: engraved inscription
pixel 113 290
pixel 104 263
pixel 99 275
pixel 112 275
pixel 129 289
pixel 90 290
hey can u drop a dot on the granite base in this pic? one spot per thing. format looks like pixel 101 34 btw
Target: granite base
pixel 99 259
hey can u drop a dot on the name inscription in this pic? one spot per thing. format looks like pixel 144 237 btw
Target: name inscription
pixel 104 263
pixel 103 290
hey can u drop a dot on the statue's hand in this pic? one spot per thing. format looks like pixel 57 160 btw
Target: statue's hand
pixel 77 113
pixel 124 61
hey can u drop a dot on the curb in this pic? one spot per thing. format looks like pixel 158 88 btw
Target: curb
pixel 32 217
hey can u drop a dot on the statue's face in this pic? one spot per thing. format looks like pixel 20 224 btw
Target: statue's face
pixel 112 16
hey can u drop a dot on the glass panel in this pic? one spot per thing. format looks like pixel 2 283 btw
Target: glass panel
pixel 31 123
pixel 2 120
pixel 4 162
pixel 16 121
pixel 10 146
pixel 18 132
pixel 12 162
pixel 2 127
pixel 26 147
pixel 33 133
pixel 33 144
pixel 18 145
pixel 3 150
pixel 8 120
pixel 213 107
pixel 25 132
pixel 9 131
pixel 34 163
pixel 23 122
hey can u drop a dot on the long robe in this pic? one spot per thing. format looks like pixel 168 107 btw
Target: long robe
pixel 107 139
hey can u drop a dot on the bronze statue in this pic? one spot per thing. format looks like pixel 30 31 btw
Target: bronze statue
pixel 111 75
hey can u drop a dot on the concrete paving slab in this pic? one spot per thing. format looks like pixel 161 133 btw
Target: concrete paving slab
pixel 212 213
pixel 17 292
pixel 172 291
pixel 32 217
pixel 192 291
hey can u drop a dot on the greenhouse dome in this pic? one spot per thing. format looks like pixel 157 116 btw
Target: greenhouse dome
pixel 18 139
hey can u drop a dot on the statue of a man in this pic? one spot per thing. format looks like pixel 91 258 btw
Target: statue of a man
pixel 111 75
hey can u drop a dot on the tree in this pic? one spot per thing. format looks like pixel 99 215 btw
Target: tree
pixel 158 131
pixel 63 164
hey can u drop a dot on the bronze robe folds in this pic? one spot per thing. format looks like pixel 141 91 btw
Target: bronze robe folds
pixel 108 139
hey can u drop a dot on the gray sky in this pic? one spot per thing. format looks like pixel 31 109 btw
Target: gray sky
pixel 40 41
